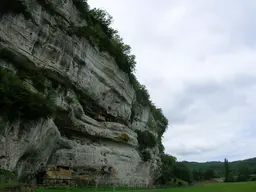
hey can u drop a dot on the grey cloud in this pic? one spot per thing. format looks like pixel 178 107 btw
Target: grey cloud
pixel 218 97
pixel 183 150
pixel 197 59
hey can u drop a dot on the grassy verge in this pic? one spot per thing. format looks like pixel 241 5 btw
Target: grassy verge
pixel 219 187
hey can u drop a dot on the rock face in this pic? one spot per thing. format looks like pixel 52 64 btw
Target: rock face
pixel 94 94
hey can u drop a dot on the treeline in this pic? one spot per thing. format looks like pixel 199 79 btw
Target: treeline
pixel 240 171
pixel 189 172
pixel 244 170
pixel 174 172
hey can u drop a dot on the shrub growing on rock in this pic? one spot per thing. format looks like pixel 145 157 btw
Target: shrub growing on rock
pixel 18 101
pixel 146 139
pixel 6 176
pixel 124 137
pixel 106 38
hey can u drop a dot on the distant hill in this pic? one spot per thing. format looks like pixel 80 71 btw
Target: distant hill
pixel 218 166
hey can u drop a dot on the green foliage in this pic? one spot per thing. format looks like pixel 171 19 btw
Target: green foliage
pixel 253 178
pixel 199 175
pixel 105 37
pixel 25 69
pixel 237 171
pixel 143 98
pixel 152 125
pixel 17 101
pixel 227 170
pixel 145 155
pixel 124 137
pixel 82 6
pixel 14 6
pixel 160 146
pixel 171 169
pixel 217 166
pixel 181 171
pixel 208 174
pixel 6 176
pixel 217 187
pixel 83 31
pixel 177 182
pixel 103 20
pixel 243 173
pixel 146 139
pixel 167 174
pixel 162 121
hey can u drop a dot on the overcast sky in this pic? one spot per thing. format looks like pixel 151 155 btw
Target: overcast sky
pixel 198 60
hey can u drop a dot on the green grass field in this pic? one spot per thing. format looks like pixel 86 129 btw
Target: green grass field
pixel 220 187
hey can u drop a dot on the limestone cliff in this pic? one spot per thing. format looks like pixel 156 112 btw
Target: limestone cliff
pixel 96 119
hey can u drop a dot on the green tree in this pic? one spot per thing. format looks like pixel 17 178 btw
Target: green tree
pixel 198 175
pixel 181 171
pixel 208 174
pixel 243 172
pixel 167 174
pixel 227 170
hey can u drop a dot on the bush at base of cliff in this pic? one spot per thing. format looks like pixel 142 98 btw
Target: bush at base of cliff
pixel 17 188
pixel 7 176
pixel 177 182
pixel 19 102
pixel 253 178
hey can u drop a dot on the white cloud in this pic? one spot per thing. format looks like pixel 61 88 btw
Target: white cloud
pixel 197 58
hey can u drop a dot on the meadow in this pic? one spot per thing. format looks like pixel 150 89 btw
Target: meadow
pixel 220 187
